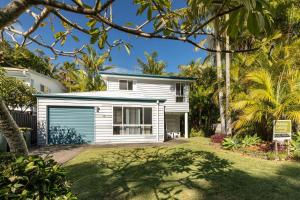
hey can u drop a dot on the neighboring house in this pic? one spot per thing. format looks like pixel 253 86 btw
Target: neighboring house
pixel 40 82
pixel 135 108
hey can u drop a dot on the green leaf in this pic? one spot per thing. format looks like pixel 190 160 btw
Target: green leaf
pixel 75 38
pixel 30 166
pixel 18 185
pixel 94 39
pixel 102 40
pixel 79 2
pixel 142 8
pixel 127 48
pixel 91 23
pixel 130 24
pixel 252 24
pixel 149 13
pixel 63 40
pixel 58 35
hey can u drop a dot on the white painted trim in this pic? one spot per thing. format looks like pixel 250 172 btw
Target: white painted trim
pixel 186 125
pixel 157 121
pixel 148 78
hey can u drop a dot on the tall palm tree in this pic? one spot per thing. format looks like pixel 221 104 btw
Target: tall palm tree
pixel 152 64
pixel 219 76
pixel 227 83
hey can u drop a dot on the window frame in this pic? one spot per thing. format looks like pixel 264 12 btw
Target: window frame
pixel 142 125
pixel 127 84
pixel 181 92
pixel 44 88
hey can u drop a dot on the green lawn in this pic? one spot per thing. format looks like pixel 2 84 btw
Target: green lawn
pixel 193 170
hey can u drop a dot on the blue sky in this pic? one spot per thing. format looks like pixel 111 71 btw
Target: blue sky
pixel 172 52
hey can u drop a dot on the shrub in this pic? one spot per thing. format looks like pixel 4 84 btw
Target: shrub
pixel 231 143
pixel 197 133
pixel 250 141
pixel 217 138
pixel 271 155
pixel 295 146
pixel 32 177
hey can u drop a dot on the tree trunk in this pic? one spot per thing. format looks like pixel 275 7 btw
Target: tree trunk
pixel 219 77
pixel 227 84
pixel 12 11
pixel 11 132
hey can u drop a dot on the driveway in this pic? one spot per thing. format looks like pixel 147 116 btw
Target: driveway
pixel 60 153
pixel 64 153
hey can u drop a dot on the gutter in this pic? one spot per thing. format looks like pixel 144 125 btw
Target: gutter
pixel 148 100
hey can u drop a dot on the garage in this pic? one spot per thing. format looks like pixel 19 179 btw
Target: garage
pixel 70 125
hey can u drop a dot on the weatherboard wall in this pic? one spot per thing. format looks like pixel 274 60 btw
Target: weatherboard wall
pixel 154 88
pixel 103 116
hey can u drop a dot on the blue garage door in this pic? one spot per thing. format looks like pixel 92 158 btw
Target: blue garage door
pixel 70 125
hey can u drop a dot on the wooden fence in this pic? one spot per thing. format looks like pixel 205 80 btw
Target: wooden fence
pixel 26 119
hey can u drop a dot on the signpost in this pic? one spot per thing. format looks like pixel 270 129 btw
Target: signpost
pixel 282 131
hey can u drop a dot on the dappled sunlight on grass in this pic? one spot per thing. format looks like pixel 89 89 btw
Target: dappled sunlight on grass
pixel 188 171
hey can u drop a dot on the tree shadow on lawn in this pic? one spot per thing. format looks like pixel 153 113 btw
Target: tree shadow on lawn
pixel 173 173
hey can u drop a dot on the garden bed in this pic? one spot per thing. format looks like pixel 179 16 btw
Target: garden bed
pixel 254 147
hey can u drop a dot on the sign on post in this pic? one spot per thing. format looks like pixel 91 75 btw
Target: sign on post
pixel 282 130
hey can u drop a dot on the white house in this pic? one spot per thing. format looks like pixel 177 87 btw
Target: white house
pixel 135 108
pixel 40 82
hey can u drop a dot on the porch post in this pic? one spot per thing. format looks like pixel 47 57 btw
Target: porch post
pixel 186 125
pixel 157 118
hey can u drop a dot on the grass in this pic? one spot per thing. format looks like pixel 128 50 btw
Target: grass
pixel 193 170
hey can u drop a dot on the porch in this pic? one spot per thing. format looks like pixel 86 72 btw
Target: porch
pixel 176 124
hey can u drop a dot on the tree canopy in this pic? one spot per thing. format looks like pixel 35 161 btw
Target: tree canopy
pixel 19 56
pixel 15 93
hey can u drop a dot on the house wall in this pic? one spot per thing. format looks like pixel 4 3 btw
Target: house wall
pixel 154 88
pixel 52 84
pixel 35 79
pixel 103 120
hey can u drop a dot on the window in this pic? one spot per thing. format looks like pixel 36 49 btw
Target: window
pixel 126 85
pixel 42 88
pixel 179 92
pixel 132 120
pixel 31 82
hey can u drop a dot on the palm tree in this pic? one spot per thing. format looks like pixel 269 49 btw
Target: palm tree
pixel 93 65
pixel 93 62
pixel 219 76
pixel 227 83
pixel 66 75
pixel 87 76
pixel 152 64
pixel 268 99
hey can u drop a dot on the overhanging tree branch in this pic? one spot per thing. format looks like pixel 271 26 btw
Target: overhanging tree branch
pixel 94 13
pixel 38 20
pixel 55 51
